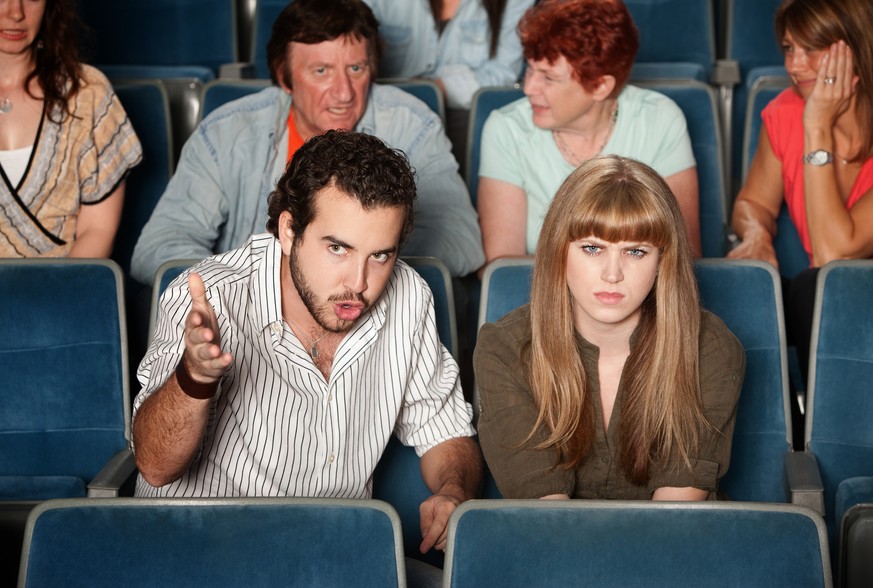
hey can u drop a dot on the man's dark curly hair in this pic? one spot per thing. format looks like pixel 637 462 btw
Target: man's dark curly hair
pixel 360 165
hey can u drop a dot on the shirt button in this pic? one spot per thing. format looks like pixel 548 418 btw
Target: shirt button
pixel 330 397
pixel 604 460
pixel 277 328
pixel 330 458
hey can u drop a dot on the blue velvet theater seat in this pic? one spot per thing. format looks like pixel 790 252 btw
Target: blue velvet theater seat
pixel 213 542
pixel 163 32
pixel 839 413
pixel 64 409
pixel 750 42
pixel 677 36
pixel 747 296
pixel 438 279
pixel 147 104
pixel 606 544
pixel 64 406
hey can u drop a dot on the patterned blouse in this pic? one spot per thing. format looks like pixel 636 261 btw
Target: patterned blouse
pixel 79 161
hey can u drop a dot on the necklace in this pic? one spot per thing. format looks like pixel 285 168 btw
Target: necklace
pixel 313 343
pixel 568 151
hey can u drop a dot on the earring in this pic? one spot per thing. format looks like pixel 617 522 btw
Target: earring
pixel 40 45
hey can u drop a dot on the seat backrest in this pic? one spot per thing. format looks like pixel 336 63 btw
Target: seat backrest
pixel 699 104
pixel 219 92
pixel 680 32
pixel 266 13
pixel 614 543
pixel 439 280
pixel 750 41
pixel 505 286
pixel 750 36
pixel 163 32
pixel 483 102
pixel 425 90
pixel 64 409
pixel 147 105
pixel 213 542
pixel 839 413
pixel 790 254
pixel 747 296
pixel 183 86
pixel 166 273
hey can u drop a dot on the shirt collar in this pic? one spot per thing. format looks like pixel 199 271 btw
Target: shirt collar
pixel 367 123
pixel 267 286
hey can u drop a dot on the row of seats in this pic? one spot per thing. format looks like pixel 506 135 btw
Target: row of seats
pixel 334 542
pixel 66 428
pixel 725 43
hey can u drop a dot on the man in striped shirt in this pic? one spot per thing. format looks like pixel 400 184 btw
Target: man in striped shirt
pixel 283 367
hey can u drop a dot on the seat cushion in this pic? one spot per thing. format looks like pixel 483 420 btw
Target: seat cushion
pixel 41 487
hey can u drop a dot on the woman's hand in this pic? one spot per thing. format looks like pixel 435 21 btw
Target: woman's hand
pixel 833 90
pixel 755 247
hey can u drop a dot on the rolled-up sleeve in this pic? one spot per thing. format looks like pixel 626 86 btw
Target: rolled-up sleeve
pixel 722 370
pixel 434 409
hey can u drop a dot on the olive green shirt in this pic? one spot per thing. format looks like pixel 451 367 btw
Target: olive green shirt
pixel 508 414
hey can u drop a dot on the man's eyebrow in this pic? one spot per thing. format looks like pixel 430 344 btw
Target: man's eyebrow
pixel 335 241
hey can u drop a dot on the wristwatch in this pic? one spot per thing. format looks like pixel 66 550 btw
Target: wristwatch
pixel 818 157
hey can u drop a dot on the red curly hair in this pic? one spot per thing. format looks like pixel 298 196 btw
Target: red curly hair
pixel 596 37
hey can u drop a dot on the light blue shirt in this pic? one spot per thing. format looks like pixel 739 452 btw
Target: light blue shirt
pixel 218 196
pixel 650 128
pixel 460 57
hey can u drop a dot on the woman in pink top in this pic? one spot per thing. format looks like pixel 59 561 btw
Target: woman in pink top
pixel 815 148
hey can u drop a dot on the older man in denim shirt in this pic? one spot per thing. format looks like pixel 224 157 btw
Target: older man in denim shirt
pixel 323 57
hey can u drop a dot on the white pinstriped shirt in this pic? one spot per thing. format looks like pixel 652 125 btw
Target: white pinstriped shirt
pixel 276 427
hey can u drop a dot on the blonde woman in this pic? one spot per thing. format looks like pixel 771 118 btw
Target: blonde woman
pixel 613 382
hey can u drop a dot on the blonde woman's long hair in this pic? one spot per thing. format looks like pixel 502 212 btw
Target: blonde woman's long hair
pixel 618 199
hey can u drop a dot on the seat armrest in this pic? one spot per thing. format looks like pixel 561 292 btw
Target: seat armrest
pixel 804 480
pixel 112 477
pixel 726 72
pixel 238 70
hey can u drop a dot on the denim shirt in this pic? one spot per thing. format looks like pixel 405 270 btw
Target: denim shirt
pixel 218 196
pixel 460 56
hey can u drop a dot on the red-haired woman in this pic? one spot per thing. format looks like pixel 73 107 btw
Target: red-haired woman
pixel 66 143
pixel 579 56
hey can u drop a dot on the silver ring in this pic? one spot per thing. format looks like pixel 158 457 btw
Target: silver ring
pixel 830 80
